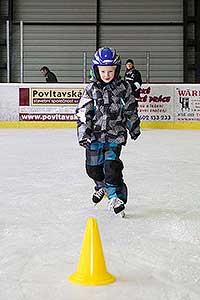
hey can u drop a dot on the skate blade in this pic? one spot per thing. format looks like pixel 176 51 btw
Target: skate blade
pixel 122 214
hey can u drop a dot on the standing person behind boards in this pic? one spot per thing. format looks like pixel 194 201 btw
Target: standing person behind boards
pixel 50 76
pixel 106 111
pixel 133 76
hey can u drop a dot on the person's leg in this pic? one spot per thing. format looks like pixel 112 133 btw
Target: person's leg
pixel 122 192
pixel 113 166
pixel 94 169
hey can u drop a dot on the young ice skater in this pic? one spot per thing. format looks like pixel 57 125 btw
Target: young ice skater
pixel 106 112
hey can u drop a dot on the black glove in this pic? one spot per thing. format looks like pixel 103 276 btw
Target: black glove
pixel 85 142
pixel 134 135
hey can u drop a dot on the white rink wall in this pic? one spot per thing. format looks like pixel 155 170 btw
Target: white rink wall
pixel 161 104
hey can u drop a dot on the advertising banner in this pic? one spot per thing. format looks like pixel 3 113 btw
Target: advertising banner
pixel 58 104
pixel 48 104
pixel 187 103
pixel 156 103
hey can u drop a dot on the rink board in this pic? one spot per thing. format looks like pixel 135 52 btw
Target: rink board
pixel 34 105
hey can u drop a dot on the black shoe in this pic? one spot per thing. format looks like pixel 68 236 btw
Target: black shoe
pixel 98 196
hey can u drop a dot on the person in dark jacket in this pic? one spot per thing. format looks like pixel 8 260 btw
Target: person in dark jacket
pixel 106 112
pixel 50 76
pixel 133 76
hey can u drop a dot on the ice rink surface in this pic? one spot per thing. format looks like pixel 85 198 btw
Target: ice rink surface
pixel 45 203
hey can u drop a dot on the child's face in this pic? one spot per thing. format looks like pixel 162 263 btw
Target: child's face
pixel 107 73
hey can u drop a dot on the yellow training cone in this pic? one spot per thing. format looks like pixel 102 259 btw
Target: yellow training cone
pixel 91 268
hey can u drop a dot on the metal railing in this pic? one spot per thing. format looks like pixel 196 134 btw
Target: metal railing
pixel 8 49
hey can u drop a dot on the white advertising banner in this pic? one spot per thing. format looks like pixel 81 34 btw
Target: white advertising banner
pixel 187 103
pixel 156 103
pixel 57 102
pixel 49 103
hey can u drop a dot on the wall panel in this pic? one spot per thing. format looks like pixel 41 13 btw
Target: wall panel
pixel 57 34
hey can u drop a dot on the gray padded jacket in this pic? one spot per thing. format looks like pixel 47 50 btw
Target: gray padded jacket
pixel 106 111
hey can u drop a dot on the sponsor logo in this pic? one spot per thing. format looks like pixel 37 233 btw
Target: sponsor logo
pixel 185 102
pixel 55 96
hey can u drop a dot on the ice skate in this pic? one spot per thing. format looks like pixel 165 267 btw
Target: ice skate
pixel 117 206
pixel 98 196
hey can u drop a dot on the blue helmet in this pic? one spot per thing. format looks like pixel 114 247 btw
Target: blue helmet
pixel 106 57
